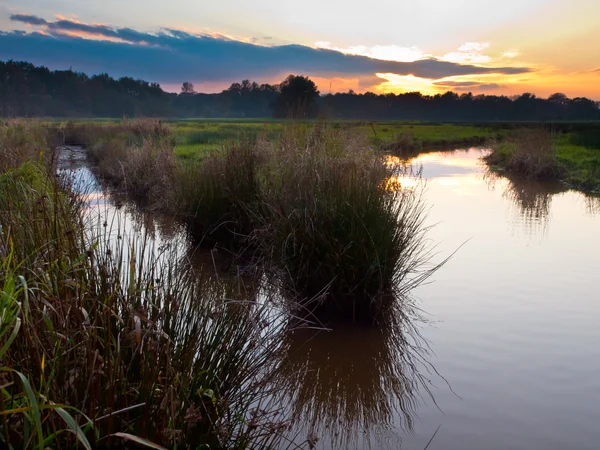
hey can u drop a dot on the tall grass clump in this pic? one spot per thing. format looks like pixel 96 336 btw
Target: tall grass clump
pixel 215 196
pixel 22 141
pixel 104 340
pixel 527 152
pixel 336 224
pixel 134 156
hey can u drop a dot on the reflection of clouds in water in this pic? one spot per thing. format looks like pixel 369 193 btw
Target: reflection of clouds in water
pixel 72 168
pixel 457 168
pixel 460 184
pixel 123 230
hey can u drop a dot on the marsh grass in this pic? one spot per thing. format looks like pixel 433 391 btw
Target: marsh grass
pixel 528 152
pixel 214 196
pixel 318 205
pixel 333 230
pixel 116 340
pixel 134 156
pixel 22 141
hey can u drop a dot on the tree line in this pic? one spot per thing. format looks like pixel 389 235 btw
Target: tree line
pixel 30 91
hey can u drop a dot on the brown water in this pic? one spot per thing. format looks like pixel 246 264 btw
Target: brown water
pixel 512 322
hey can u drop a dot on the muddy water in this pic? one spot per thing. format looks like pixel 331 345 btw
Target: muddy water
pixel 506 353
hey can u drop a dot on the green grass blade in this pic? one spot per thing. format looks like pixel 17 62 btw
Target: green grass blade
pixel 35 408
pixel 11 338
pixel 25 296
pixel 74 427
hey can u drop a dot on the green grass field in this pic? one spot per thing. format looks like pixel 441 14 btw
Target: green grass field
pixel 194 139
pixel 581 164
pixel 561 157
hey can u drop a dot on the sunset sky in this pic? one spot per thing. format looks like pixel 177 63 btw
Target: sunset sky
pixel 480 46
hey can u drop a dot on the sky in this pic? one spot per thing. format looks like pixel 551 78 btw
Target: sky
pixel 481 46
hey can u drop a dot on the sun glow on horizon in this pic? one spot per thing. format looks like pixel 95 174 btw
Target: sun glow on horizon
pixel 394 83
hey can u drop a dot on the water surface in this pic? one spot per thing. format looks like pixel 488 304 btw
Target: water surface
pixel 506 351
pixel 516 311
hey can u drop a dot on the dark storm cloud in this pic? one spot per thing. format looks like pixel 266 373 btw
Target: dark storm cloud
pixel 171 55
pixel 26 18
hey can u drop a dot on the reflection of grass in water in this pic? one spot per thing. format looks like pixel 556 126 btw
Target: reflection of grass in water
pixel 592 205
pixel 532 198
pixel 352 381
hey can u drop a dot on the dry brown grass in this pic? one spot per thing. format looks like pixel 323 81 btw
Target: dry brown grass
pixel 528 152
pixel 22 141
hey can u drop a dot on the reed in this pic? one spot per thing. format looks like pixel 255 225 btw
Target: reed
pixel 112 339
pixel 318 204
pixel 337 226
pixel 214 196
pixel 22 141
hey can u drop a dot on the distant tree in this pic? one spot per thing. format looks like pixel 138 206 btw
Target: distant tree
pixel 187 88
pixel 297 98
pixel 558 99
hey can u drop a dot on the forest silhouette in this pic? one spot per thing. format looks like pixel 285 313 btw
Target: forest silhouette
pixel 30 91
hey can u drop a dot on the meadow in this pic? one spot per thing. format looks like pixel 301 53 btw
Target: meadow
pixel 195 138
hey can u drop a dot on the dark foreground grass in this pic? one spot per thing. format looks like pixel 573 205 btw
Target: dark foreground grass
pixel 538 154
pixel 101 342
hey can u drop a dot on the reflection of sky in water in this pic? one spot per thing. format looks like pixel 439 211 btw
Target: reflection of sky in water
pixel 516 311
pixel 120 229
